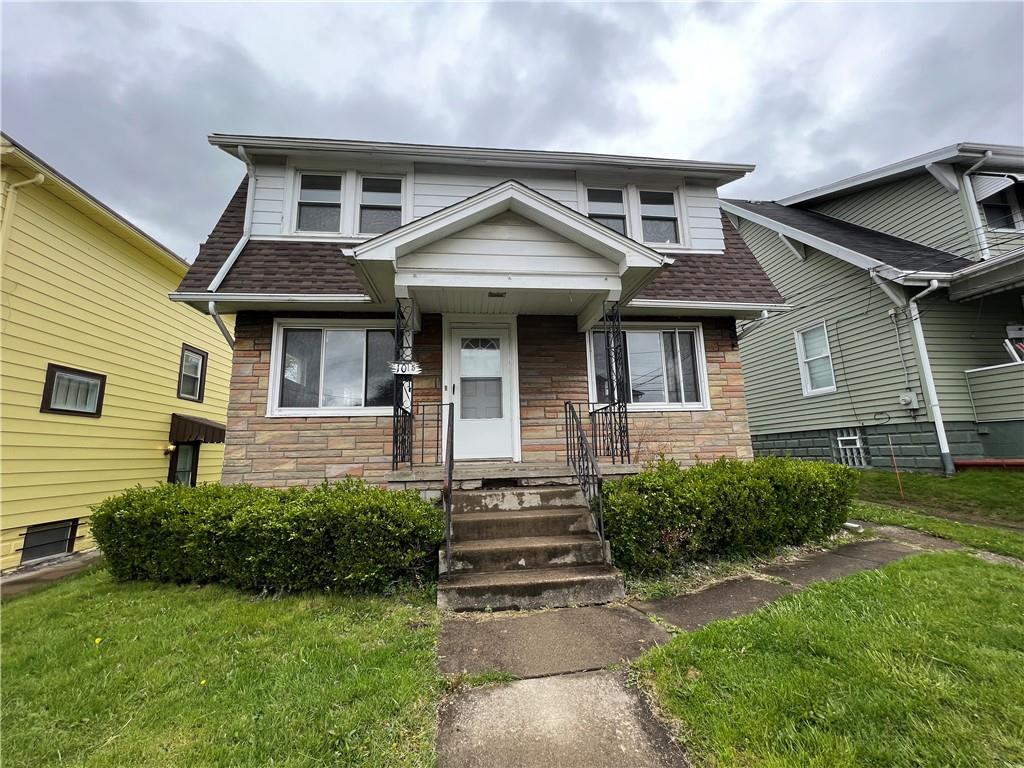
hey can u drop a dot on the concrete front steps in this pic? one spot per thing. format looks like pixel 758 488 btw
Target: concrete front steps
pixel 525 548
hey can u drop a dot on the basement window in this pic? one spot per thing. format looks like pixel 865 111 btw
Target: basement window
pixel 48 539
pixel 850 447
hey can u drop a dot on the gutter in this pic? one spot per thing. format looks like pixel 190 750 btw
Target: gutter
pixel 972 205
pixel 928 381
pixel 250 197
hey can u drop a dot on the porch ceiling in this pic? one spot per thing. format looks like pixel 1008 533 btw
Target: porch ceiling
pixel 503 302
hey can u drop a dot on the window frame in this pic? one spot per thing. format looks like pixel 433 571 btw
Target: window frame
pixel 325 324
pixel 172 468
pixel 677 209
pixel 697 329
pixel 297 195
pixel 805 376
pixel 69 546
pixel 1016 210
pixel 52 369
pixel 360 178
pixel 205 357
pixel 608 188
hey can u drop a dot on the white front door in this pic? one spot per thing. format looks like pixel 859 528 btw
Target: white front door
pixel 481 389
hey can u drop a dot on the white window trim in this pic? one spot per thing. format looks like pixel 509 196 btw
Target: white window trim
pixel 1015 211
pixel 677 206
pixel 293 227
pixel 805 376
pixel 585 202
pixel 276 350
pixel 403 210
pixel 199 377
pixel 702 368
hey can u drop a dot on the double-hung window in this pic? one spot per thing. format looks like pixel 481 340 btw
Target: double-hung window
pixel 380 205
pixel 1003 210
pixel 332 368
pixel 815 357
pixel 664 368
pixel 319 208
pixel 606 206
pixel 192 373
pixel 658 217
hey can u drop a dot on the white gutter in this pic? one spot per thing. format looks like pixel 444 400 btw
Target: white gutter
pixel 212 309
pixel 928 381
pixel 302 298
pixel 972 205
pixel 250 197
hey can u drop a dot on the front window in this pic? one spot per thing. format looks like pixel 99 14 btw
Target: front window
pixel 816 374
pixel 606 206
pixel 662 367
pixel 380 206
pixel 192 373
pixel 73 392
pixel 1003 210
pixel 319 203
pixel 658 217
pixel 331 368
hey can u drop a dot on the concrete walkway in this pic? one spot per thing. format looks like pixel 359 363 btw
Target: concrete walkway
pixel 570 709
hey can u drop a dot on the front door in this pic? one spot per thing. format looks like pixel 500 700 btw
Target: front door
pixel 481 361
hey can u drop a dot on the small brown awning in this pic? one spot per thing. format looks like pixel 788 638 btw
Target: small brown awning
pixel 193 429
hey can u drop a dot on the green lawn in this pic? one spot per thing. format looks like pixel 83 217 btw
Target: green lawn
pixel 919 664
pixel 97 673
pixel 1003 542
pixel 993 493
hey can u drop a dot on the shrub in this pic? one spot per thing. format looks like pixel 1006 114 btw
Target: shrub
pixel 666 514
pixel 342 536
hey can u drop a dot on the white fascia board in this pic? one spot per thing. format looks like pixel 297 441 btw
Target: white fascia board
pixel 988 265
pixel 500 280
pixel 715 305
pixel 514 196
pixel 855 258
pixel 300 298
pixel 430 153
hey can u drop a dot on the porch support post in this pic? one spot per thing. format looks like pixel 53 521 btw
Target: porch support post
pixel 401 420
pixel 615 357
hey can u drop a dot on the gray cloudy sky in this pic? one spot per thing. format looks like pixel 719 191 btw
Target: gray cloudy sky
pixel 120 97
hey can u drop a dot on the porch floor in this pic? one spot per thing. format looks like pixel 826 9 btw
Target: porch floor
pixel 469 474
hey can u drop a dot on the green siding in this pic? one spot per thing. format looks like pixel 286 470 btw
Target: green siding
pixel 964 336
pixel 917 208
pixel 869 377
pixel 998 393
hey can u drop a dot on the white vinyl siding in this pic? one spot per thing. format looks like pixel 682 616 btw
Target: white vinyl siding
pixel 816 374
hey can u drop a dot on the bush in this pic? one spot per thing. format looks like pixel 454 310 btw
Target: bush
pixel 667 514
pixel 343 536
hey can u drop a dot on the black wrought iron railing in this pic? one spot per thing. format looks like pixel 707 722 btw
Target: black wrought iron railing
pixel 446 481
pixel 581 459
pixel 401 437
pixel 418 435
pixel 607 429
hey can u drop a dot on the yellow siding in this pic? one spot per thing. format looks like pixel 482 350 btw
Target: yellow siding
pixel 77 294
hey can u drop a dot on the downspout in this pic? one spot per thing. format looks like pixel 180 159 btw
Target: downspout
pixel 212 309
pixel 250 197
pixel 12 198
pixel 972 205
pixel 926 378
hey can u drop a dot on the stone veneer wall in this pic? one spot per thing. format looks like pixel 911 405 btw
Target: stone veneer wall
pixel 552 369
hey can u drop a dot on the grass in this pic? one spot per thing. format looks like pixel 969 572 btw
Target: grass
pixel 921 663
pixel 98 673
pixel 1001 541
pixel 985 493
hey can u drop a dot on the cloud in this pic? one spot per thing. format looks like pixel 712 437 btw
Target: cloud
pixel 122 96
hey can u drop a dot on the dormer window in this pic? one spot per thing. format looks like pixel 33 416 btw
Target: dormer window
pixel 380 205
pixel 1004 210
pixel 606 206
pixel 319 203
pixel 659 217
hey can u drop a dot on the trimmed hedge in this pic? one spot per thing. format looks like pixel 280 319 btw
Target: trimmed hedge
pixel 666 514
pixel 344 536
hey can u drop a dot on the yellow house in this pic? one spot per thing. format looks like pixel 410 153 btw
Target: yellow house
pixel 104 382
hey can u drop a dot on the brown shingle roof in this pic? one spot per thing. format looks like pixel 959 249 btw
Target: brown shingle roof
pixel 735 276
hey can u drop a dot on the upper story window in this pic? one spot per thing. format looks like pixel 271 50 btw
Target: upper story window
pixel 665 367
pixel 319 203
pixel 380 205
pixel 659 217
pixel 815 357
pixel 73 392
pixel 607 206
pixel 332 368
pixel 192 373
pixel 1004 210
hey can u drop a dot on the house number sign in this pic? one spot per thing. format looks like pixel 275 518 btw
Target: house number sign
pixel 406 368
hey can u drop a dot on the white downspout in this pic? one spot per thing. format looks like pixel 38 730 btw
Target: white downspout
pixel 926 378
pixel 250 197
pixel 972 205
pixel 212 309
pixel 12 198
